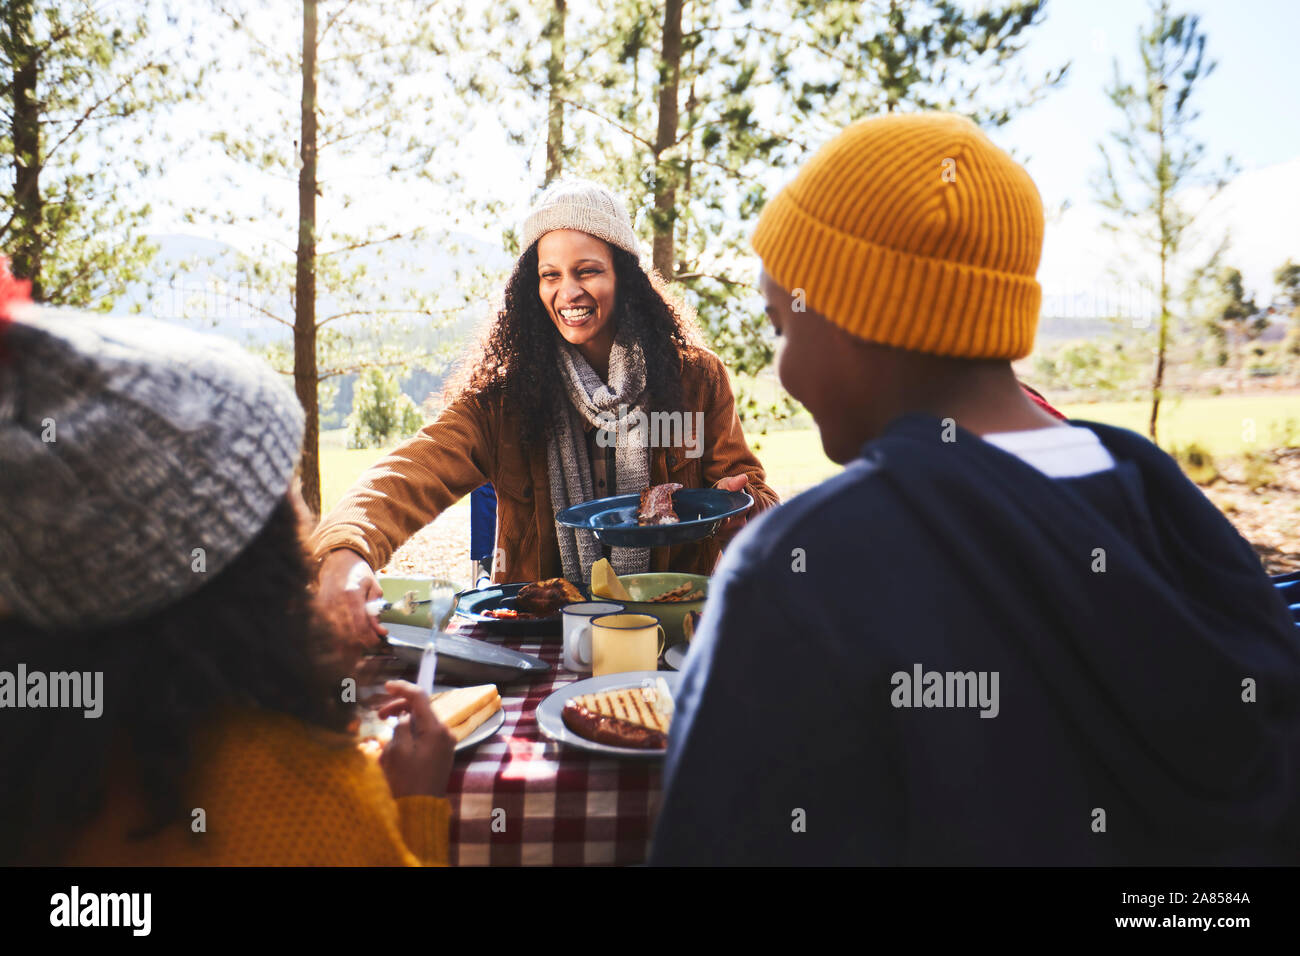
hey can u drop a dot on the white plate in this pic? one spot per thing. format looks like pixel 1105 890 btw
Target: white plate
pixel 675 656
pixel 550 719
pixel 372 726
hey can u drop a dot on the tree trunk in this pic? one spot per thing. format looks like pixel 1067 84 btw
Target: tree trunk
pixel 29 212
pixel 1158 379
pixel 305 376
pixel 665 214
pixel 554 88
pixel 1162 339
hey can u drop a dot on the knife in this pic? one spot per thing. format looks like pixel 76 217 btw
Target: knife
pixel 465 659
pixel 428 665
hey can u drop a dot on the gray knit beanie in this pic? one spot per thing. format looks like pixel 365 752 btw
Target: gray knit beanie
pixel 137 459
pixel 582 205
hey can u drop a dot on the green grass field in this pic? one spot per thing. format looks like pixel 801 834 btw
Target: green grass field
pixel 794 459
pixel 1224 424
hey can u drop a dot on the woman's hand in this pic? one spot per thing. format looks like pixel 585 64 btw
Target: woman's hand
pixel 346 584
pixel 417 761
pixel 731 527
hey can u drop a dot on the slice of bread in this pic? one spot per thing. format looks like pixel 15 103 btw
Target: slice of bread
pixel 475 720
pixel 453 707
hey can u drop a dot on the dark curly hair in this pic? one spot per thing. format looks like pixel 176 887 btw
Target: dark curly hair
pixel 519 357
pixel 250 639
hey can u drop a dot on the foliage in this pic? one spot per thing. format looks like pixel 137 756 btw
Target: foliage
pixel 1257 470
pixel 1111 365
pixel 1287 279
pixel 381 412
pixel 83 82
pixel 888 55
pixel 1159 155
pixel 1286 433
pixel 1196 461
pixel 690 109
pixel 351 105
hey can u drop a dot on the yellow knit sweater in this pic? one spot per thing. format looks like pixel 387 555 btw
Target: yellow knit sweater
pixel 275 791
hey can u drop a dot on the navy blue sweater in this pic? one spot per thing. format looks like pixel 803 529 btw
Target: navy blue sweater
pixel 1148 674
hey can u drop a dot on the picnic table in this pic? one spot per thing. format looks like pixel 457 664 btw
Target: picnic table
pixel 521 799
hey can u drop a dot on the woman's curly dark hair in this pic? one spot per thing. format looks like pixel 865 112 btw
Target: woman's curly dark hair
pixel 519 358
pixel 248 639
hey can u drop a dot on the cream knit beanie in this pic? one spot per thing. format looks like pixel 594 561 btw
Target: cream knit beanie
pixel 582 205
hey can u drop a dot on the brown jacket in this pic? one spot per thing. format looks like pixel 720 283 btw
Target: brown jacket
pixel 474 441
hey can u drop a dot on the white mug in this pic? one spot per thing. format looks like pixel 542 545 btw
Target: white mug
pixel 577 632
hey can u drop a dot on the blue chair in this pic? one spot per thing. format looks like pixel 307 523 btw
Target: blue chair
pixel 1289 585
pixel 482 532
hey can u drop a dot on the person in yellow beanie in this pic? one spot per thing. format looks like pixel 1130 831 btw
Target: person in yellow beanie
pixel 994 638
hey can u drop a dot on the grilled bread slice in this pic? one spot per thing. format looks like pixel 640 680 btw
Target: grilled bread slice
pixel 636 717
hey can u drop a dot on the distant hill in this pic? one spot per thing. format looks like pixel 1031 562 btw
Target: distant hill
pixel 196 281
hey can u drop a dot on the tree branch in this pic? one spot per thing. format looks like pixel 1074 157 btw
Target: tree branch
pixel 682 276
pixel 93 107
pixel 374 311
pixel 360 245
pixel 326 29
pixel 600 116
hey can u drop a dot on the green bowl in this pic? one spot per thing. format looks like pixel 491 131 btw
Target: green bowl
pixel 670 615
pixel 444 590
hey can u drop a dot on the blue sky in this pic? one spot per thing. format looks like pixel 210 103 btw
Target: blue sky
pixel 1248 105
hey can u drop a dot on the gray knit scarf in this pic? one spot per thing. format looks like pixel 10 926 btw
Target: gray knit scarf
pixel 605 406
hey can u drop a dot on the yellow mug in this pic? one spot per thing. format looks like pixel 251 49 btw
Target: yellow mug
pixel 625 642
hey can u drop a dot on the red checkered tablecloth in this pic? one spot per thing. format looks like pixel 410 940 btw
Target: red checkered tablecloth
pixel 519 798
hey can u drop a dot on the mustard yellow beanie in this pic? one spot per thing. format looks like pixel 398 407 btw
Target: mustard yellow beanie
pixel 913 231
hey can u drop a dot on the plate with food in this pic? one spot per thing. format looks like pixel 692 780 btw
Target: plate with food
pixel 619 715
pixel 671 596
pixel 531 608
pixel 660 515
pixel 472 714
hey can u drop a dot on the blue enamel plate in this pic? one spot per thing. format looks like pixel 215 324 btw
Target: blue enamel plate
pixel 474 605
pixel 613 520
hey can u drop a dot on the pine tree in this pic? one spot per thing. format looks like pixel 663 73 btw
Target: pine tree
pixel 845 60
pixel 80 80
pixel 1287 280
pixel 1160 155
pixel 730 104
pixel 354 100
pixel 1238 315
pixel 685 107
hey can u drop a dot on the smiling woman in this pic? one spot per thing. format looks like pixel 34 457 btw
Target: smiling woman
pixel 576 285
pixel 550 410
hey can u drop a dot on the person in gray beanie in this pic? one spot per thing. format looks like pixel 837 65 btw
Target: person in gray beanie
pixel 587 348
pixel 160 648
pixel 145 457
